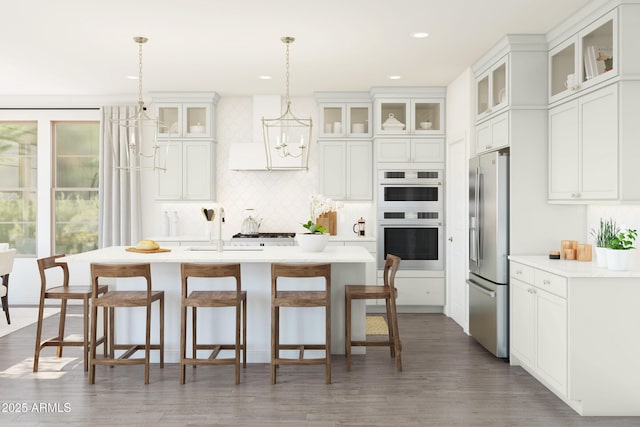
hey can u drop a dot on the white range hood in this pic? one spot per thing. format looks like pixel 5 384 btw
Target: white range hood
pixel 252 156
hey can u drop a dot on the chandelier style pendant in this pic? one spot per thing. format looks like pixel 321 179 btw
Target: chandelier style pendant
pixel 287 136
pixel 127 133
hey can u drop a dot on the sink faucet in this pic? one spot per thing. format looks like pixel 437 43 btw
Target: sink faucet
pixel 220 221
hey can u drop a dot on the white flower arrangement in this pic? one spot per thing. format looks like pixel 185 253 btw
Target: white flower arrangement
pixel 318 205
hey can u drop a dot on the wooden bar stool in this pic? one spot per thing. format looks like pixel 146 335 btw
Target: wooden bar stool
pixel 6 266
pixel 300 298
pixel 65 293
pixel 388 292
pixel 125 298
pixel 212 298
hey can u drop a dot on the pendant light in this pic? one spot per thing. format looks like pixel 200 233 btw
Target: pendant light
pixel 287 136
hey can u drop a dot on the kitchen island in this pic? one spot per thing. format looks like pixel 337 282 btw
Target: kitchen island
pixel 348 265
pixel 574 327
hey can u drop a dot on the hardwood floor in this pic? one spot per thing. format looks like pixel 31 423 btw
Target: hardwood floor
pixel 448 380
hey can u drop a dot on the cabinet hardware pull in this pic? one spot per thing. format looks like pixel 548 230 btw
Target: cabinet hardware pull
pixel 518 272
pixel 546 281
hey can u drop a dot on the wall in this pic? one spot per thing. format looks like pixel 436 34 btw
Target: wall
pixel 280 197
pixel 460 130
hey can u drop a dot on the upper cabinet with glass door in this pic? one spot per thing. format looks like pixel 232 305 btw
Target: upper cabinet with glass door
pixel 586 59
pixel 340 120
pixel 492 90
pixel 184 120
pixel 419 111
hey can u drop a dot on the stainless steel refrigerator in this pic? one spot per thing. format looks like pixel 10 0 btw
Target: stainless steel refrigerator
pixel 488 249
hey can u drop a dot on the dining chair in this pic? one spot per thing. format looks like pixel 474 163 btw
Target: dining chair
pixel 124 299
pixel 198 299
pixel 6 266
pixel 388 292
pixel 64 292
pixel 300 298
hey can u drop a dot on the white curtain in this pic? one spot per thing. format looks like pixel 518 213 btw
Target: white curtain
pixel 120 209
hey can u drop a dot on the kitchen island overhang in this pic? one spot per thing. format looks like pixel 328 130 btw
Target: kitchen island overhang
pixel 347 267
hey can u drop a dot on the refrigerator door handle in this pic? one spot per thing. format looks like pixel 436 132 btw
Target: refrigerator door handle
pixel 478 218
pixel 482 289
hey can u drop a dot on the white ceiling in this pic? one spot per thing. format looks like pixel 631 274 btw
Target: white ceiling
pixel 85 47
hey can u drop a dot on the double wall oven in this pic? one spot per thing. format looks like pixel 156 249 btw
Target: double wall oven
pixel 410 218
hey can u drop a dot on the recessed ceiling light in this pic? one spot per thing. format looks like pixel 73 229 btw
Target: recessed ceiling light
pixel 132 77
pixel 420 35
pixel 394 77
pixel 264 77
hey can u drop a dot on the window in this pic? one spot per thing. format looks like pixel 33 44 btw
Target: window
pixel 75 186
pixel 18 182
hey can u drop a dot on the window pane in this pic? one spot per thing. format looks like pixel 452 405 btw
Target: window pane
pixel 77 154
pixel 18 220
pixel 76 227
pixel 18 173
pixel 18 159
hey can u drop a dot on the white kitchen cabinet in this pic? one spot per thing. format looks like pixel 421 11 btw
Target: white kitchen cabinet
pixel 493 134
pixel 578 62
pixel 583 147
pixel 491 89
pixel 409 150
pixel 191 120
pixel 539 324
pixel 420 116
pixel 418 288
pixel 188 174
pixel 345 120
pixel 188 133
pixel 347 169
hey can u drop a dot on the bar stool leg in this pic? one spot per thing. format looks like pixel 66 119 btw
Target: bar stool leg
pixel 327 310
pixel 147 345
pixel 193 334
pixel 274 341
pixel 85 329
pixel 92 348
pixel 390 320
pixel 347 334
pixel 237 362
pixel 63 316
pixel 162 332
pixel 112 331
pixel 36 355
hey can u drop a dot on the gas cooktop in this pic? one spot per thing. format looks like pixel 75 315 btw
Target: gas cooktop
pixel 264 236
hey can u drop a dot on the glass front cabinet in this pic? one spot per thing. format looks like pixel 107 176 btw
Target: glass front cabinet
pixel 409 116
pixel 340 120
pixel 585 59
pixel 492 90
pixel 184 120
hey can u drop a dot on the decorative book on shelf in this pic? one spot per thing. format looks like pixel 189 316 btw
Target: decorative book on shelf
pixel 597 60
pixel 328 221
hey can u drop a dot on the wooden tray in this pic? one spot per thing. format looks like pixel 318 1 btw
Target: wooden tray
pixel 147 251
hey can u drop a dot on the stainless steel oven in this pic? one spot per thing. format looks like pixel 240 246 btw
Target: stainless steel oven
pixel 410 189
pixel 410 218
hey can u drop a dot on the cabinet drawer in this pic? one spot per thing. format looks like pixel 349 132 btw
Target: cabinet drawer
pixel 522 272
pixel 552 283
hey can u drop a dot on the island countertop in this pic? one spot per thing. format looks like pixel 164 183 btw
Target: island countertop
pixel 241 254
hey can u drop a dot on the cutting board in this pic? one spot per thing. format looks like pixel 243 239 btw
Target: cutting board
pixel 148 251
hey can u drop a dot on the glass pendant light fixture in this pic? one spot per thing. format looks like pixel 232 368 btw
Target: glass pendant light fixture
pixel 127 133
pixel 287 136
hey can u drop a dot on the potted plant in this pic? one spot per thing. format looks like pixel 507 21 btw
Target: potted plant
pixel 603 235
pixel 316 239
pixel 619 249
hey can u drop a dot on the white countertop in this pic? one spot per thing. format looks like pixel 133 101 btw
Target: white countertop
pixel 201 238
pixel 265 254
pixel 566 268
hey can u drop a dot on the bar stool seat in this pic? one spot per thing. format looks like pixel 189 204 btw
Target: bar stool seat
pixel 387 292
pixel 125 298
pixel 64 293
pixel 211 299
pixel 300 298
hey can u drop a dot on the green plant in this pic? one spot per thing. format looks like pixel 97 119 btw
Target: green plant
pixel 607 230
pixel 622 240
pixel 314 228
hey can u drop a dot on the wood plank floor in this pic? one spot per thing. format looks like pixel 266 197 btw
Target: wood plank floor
pixel 448 380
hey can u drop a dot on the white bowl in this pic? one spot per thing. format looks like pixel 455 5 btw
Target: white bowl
pixel 425 125
pixel 196 129
pixel 312 242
